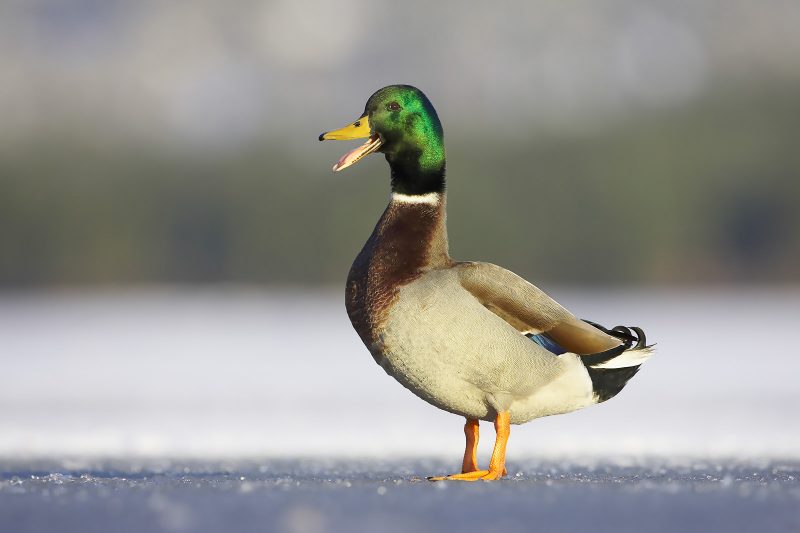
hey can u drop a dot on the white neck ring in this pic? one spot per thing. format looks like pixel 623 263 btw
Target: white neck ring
pixel 431 198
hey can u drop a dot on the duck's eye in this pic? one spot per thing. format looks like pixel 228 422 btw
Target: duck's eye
pixel 393 106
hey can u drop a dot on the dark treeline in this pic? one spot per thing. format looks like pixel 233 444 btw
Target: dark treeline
pixel 706 194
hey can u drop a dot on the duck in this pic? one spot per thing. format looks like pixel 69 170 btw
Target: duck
pixel 471 338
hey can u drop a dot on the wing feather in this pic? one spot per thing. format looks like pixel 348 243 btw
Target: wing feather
pixel 529 310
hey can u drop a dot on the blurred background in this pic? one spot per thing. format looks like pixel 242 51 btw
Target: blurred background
pixel 173 245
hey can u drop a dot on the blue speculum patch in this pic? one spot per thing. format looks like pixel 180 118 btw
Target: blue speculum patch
pixel 546 342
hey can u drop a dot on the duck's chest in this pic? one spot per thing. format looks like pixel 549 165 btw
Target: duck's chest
pixel 367 299
pixel 404 244
pixel 373 286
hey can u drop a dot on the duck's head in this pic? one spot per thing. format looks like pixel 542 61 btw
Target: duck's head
pixel 400 122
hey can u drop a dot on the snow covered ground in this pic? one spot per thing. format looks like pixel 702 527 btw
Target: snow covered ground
pixel 248 373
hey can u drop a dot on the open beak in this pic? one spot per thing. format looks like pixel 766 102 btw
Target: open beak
pixel 359 129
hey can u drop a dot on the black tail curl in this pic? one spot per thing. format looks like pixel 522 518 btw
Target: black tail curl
pixel 607 382
pixel 632 338
pixel 625 334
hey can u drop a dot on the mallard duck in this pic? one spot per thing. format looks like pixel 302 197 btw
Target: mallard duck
pixel 470 338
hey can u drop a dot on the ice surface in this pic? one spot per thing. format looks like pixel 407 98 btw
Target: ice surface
pixel 238 373
pixel 242 384
pixel 316 495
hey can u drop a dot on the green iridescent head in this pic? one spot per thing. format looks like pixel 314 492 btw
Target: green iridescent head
pixel 400 122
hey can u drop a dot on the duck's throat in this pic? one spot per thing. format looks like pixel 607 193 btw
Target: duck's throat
pixel 414 227
pixel 416 172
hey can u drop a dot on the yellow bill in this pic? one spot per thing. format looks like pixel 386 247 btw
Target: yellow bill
pixel 359 129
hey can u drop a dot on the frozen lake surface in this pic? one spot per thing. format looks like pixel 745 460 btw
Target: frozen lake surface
pixel 241 384
pixel 247 373
pixel 316 496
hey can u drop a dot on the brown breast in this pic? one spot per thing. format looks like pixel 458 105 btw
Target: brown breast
pixel 408 240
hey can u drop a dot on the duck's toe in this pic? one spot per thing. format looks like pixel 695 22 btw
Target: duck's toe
pixel 485 475
pixel 466 476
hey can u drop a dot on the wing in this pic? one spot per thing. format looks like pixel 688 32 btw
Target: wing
pixel 531 311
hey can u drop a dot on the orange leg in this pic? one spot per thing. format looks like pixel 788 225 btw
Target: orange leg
pixel 472 432
pixel 497 464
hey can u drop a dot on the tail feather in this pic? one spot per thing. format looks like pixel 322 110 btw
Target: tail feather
pixel 611 370
pixel 624 334
pixel 607 383
pixel 626 359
